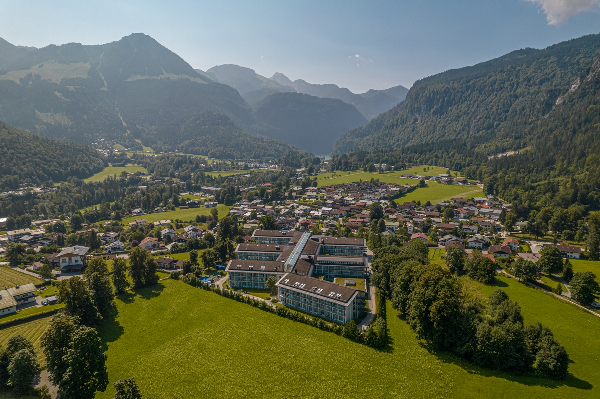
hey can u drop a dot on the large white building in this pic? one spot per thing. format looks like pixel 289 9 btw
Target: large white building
pixel 321 298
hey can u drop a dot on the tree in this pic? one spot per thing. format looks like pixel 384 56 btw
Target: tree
pixel 583 287
pixel 500 338
pixel 79 301
pixel 55 343
pixel 376 211
pixel 208 259
pixel 214 212
pixel 351 331
pixel 17 343
pixel 270 284
pixel 137 260
pixel 448 213
pixel 76 222
pixel 267 222
pixel 551 261
pixel 150 276
pixel 480 268
pixel 524 269
pixel 127 389
pixel 567 272
pixel 593 241
pixel 45 271
pixel 119 276
pixel 194 257
pixel 550 358
pixel 509 221
pixel 86 372
pixel 96 265
pixel 22 369
pixel 14 252
pixel 102 292
pixel 455 259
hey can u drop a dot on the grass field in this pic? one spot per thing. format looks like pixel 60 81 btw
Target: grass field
pixel 10 278
pixel 339 177
pixel 233 172
pixel 114 170
pixel 182 214
pixel 203 345
pixel 437 192
pixel 580 265
pixel 32 330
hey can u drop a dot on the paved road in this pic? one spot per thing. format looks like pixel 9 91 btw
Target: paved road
pixel 372 309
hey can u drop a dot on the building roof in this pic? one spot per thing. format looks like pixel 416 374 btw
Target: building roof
pixel 6 300
pixel 262 266
pixel 76 250
pixel 260 247
pixel 499 248
pixel 341 241
pixel 318 288
pixel 21 289
pixel 275 233
pixel 529 256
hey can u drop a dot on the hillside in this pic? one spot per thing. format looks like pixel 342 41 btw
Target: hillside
pixel 130 89
pixel 215 135
pixel 484 99
pixel 370 104
pixel 27 158
pixel 304 121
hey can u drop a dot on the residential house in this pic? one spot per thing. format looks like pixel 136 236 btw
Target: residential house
pixel 109 237
pixel 169 263
pixel 420 236
pixel 72 259
pixel 149 243
pixel 168 233
pixel 502 251
pixel 115 246
pixel 512 243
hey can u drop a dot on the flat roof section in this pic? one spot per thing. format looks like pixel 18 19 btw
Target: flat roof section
pixel 319 288
pixel 260 247
pixel 342 241
pixel 260 266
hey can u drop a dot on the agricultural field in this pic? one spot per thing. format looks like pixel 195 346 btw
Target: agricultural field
pixel 10 277
pixel 339 177
pixel 580 265
pixel 114 170
pixel 182 214
pixel 32 330
pixel 233 172
pixel 437 192
pixel 204 345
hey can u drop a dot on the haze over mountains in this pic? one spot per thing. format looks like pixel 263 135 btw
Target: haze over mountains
pixel 254 87
pixel 136 89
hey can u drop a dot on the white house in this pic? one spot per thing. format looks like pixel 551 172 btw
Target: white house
pixel 72 258
pixel 115 246
pixel 168 233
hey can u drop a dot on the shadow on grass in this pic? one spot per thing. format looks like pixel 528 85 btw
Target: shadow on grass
pixel 499 283
pixel 525 379
pixel 110 330
pixel 150 292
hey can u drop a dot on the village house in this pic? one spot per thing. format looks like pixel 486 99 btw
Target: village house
pixel 149 243
pixel 72 259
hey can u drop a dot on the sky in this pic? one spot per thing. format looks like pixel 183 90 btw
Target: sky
pixel 360 45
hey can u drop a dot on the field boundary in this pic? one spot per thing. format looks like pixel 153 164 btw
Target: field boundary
pixel 27 319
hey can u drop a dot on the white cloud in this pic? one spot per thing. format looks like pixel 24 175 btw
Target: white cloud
pixel 559 11
pixel 360 60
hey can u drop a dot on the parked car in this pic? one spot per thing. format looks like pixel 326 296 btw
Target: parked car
pixel 44 303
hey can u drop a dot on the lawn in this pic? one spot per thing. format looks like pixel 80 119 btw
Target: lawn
pixel 437 192
pixel 32 330
pixel 114 170
pixel 326 179
pixel 10 277
pixel 580 265
pixel 233 172
pixel 182 214
pixel 30 311
pixel 204 345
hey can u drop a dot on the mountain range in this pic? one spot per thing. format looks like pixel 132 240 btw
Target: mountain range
pixel 135 89
pixel 254 88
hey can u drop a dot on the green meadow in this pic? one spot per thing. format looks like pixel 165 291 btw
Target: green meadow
pixel 437 192
pixel 182 214
pixel 10 277
pixel 179 341
pixel 114 170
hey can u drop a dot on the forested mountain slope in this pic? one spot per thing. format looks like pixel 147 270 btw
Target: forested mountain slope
pixel 26 158
pixel 485 99
pixel 304 121
pixel 120 91
pixel 370 104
